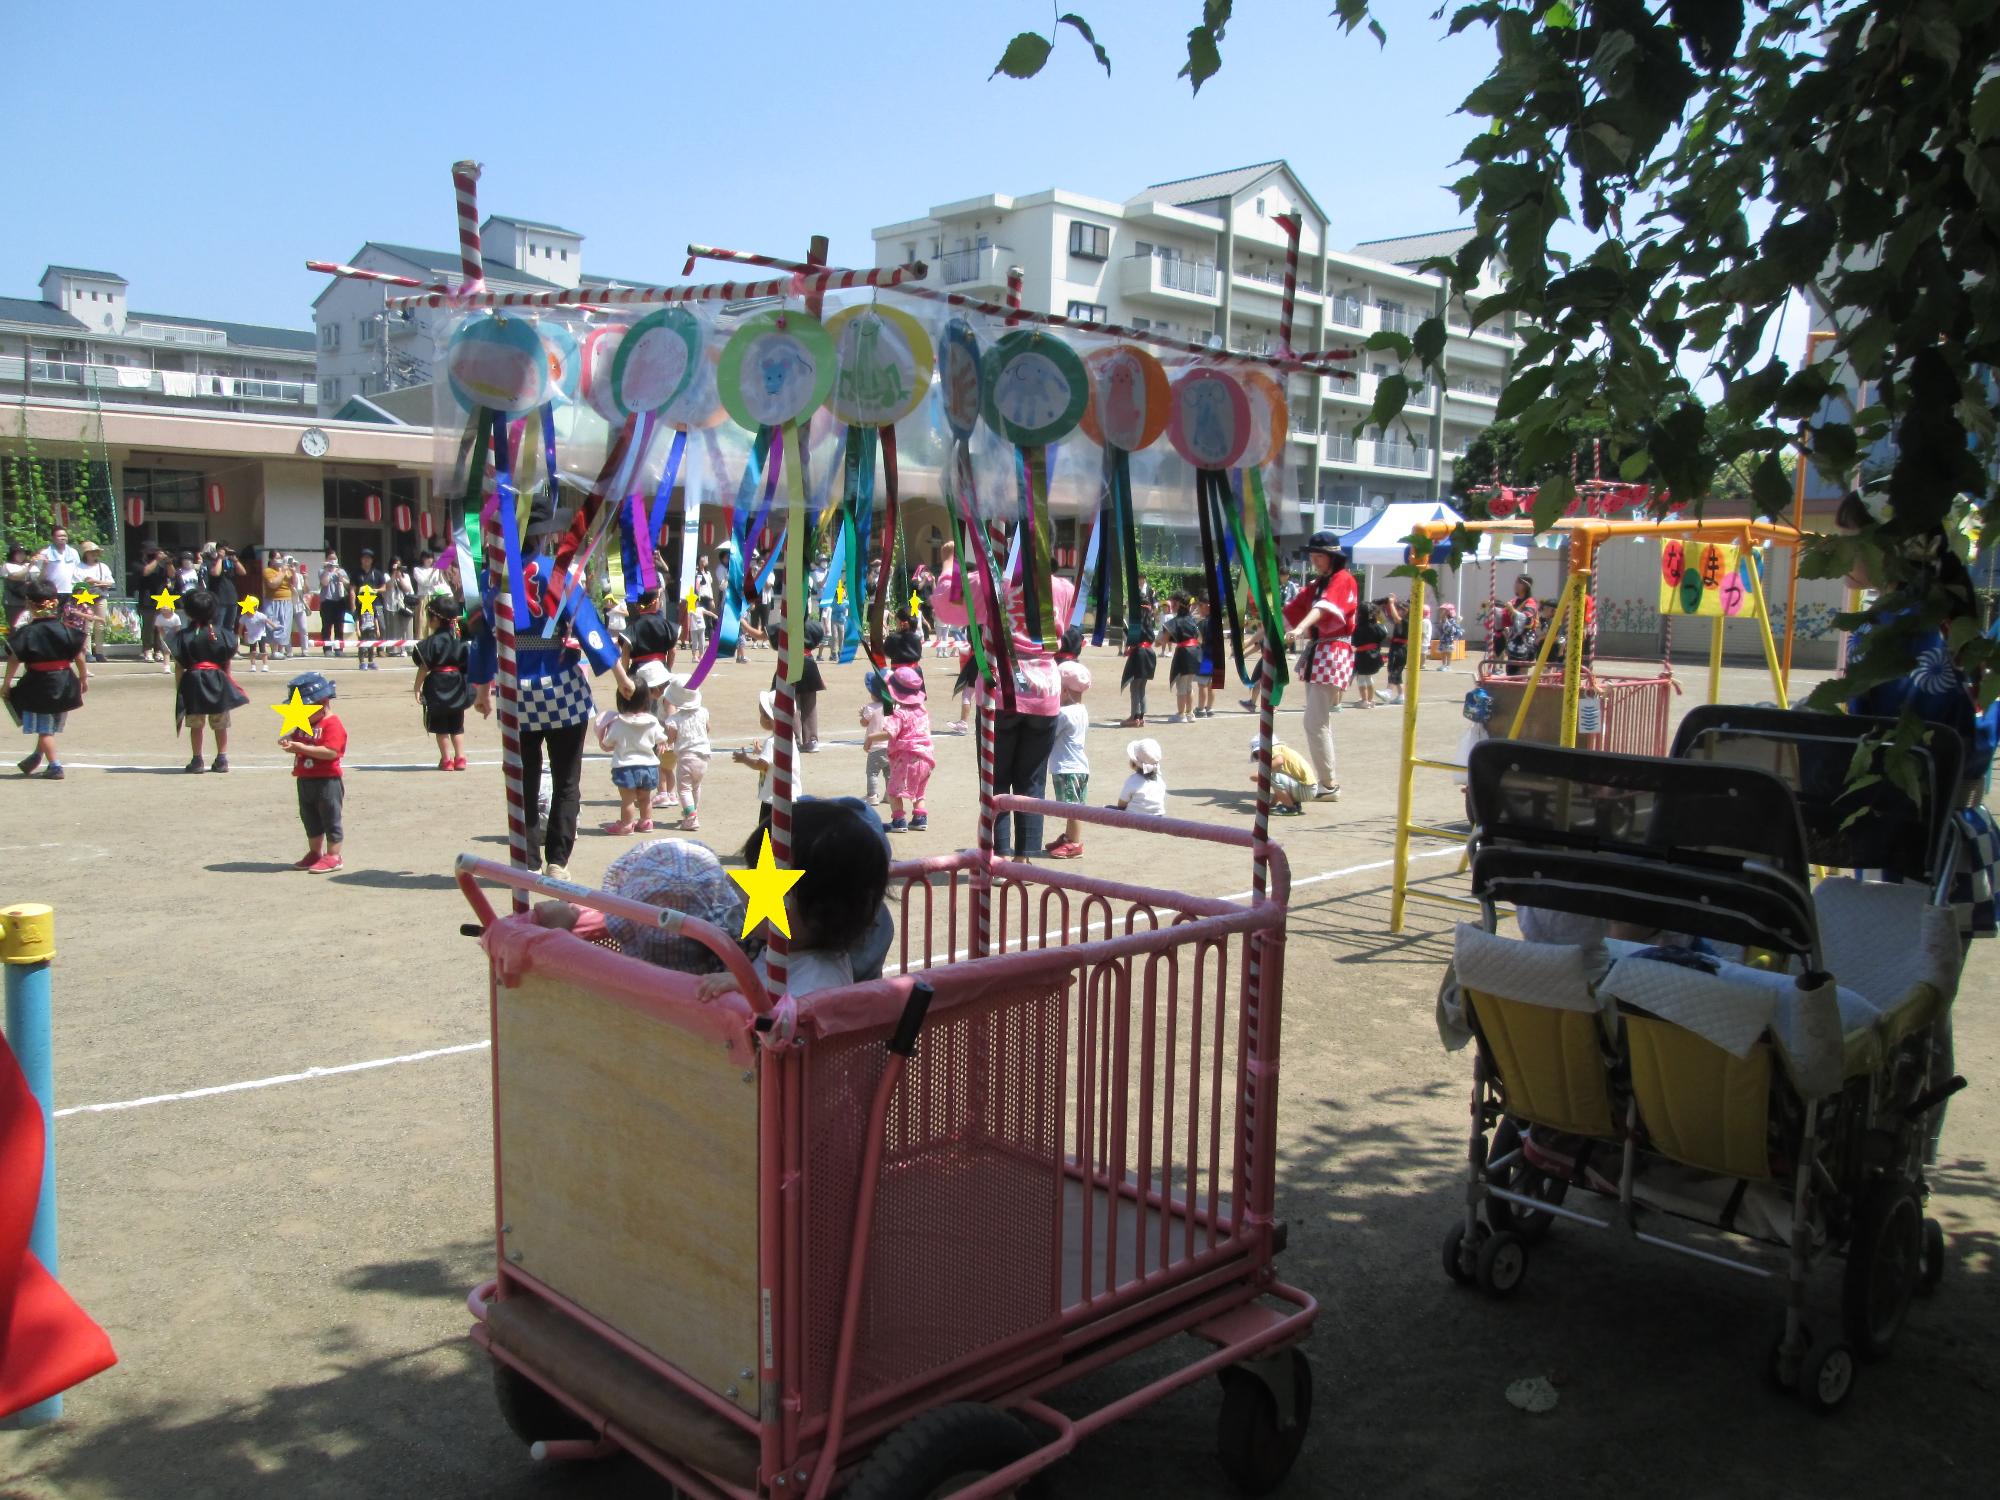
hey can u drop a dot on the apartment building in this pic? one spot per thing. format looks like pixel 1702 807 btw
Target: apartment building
pixel 1204 258
pixel 365 351
pixel 81 340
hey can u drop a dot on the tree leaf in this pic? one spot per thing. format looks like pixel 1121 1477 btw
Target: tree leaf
pixel 1428 345
pixel 1559 17
pixel 1390 395
pixel 1024 56
pixel 1382 40
pixel 1204 58
pixel 1986 110
pixel 1070 18
pixel 1522 390
pixel 1384 339
pixel 1552 499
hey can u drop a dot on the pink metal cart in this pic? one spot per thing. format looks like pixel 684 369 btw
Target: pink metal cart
pixel 779 1249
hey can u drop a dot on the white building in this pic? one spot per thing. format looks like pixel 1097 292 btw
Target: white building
pixel 363 351
pixel 80 340
pixel 1202 258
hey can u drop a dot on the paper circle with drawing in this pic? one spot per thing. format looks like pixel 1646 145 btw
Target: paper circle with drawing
pixel 882 364
pixel 1130 400
pixel 1211 425
pixel 700 404
pixel 958 377
pixel 1035 388
pixel 497 363
pixel 1268 418
pixel 655 360
pixel 772 375
pixel 559 344
pixel 595 355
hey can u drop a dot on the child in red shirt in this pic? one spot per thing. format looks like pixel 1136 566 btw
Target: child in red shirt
pixel 316 770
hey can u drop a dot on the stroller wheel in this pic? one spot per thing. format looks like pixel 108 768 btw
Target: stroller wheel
pixel 1503 1261
pixel 1826 1379
pixel 1530 1182
pixel 1884 1264
pixel 1933 1267
pixel 944 1450
pixel 1461 1261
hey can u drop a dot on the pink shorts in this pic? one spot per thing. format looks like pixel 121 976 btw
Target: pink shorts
pixel 909 777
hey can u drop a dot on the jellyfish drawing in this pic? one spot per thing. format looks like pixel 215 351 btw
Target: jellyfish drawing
pixel 1124 418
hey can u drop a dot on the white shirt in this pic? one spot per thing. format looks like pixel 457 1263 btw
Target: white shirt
pixel 811 971
pixel 59 565
pixel 98 575
pixel 690 727
pixel 767 752
pixel 632 739
pixel 1145 794
pixel 1069 756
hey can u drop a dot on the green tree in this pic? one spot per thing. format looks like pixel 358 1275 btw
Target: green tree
pixel 1864 137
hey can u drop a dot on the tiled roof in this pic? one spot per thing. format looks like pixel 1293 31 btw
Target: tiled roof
pixel 1212 184
pixel 534 224
pixel 34 310
pixel 1414 249
pixel 241 335
pixel 79 271
pixel 446 263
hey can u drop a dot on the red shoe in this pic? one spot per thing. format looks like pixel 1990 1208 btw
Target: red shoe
pixel 458 764
pixel 1064 850
pixel 324 864
pixel 444 762
pixel 308 862
pixel 616 829
pixel 644 825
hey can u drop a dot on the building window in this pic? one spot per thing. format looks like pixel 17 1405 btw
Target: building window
pixel 329 335
pixel 1260 208
pixel 1092 241
pixel 1089 312
pixel 329 391
pixel 565 254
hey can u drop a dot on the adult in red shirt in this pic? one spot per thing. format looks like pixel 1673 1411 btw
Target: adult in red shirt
pixel 1322 615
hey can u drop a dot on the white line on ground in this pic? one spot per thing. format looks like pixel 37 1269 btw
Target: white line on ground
pixel 480 1046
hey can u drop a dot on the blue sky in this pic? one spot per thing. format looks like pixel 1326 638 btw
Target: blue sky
pixel 205 152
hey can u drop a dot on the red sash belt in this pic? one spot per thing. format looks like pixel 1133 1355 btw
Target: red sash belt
pixel 47 666
pixel 650 656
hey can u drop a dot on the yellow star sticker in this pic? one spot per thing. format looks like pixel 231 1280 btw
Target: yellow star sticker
pixel 248 605
pixel 366 595
pixel 85 597
pixel 166 599
pixel 766 886
pixel 916 603
pixel 296 717
pixel 693 601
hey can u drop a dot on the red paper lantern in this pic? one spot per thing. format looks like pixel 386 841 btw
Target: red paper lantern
pixel 62 515
pixel 214 498
pixel 371 508
pixel 135 511
pixel 403 521
pixel 425 525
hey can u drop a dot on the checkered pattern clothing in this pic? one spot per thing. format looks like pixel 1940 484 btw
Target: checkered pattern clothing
pixel 1975 880
pixel 556 701
pixel 1332 663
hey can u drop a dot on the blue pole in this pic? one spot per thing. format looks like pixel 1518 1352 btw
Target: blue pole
pixel 27 943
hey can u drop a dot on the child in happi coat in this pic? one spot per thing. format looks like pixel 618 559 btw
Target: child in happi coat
pixel 687 730
pixel 204 691
pixel 912 756
pixel 1184 672
pixel 1142 664
pixel 442 687
pixel 1369 639
pixel 49 657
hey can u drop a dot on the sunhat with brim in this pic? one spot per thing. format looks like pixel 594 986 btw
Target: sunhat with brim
pixel 1144 754
pixel 906 684
pixel 1075 677
pixel 685 877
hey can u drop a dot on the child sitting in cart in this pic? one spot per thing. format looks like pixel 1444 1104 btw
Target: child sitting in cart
pixel 675 873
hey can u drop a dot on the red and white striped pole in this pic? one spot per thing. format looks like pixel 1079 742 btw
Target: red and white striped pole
pixel 1291 224
pixel 507 676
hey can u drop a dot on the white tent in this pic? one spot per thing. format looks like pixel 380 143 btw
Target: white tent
pixel 1383 538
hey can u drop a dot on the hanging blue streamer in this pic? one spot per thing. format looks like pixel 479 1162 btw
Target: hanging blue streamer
pixel 598 643
pixel 663 500
pixel 549 457
pixel 1087 578
pixel 510 525
pixel 763 464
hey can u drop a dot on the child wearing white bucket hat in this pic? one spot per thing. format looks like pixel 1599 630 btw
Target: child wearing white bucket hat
pixel 1145 790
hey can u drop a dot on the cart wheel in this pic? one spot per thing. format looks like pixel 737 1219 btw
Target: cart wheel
pixel 1774 1364
pixel 1461 1260
pixel 1933 1267
pixel 1528 1181
pixel 943 1451
pixel 1503 1261
pixel 1255 1444
pixel 1884 1262
pixel 531 1413
pixel 1826 1379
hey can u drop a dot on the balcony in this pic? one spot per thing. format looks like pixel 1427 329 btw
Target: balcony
pixel 1345 312
pixel 1397 320
pixel 1383 454
pixel 1338 448
pixel 125 381
pixel 167 333
pixel 1167 279
pixel 985 266
pixel 1421 398
pixel 1469 388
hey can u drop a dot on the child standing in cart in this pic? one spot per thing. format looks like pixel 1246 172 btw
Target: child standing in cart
pixel 55 676
pixel 204 691
pixel 442 687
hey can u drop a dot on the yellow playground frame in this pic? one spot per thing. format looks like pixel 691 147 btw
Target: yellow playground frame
pixel 1584 535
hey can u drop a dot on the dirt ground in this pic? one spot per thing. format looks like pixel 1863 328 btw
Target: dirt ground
pixel 282 1265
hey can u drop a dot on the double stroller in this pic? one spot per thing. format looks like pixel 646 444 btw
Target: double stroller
pixel 1711 1050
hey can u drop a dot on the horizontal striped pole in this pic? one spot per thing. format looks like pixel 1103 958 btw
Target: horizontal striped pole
pixel 1308 364
pixel 639 296
pixel 387 278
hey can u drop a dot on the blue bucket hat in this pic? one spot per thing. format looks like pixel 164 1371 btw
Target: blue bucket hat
pixel 312 687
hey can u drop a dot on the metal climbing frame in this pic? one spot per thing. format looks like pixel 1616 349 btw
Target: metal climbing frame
pixel 1635 710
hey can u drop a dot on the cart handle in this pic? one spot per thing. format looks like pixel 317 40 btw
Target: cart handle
pixel 904 1042
pixel 728 952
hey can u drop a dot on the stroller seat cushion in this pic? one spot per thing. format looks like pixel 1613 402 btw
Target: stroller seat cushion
pixel 1887 940
pixel 1552 974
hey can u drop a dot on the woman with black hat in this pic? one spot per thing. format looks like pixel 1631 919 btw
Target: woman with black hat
pixel 1322 616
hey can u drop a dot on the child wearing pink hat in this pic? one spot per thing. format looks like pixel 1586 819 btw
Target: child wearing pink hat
pixel 912 756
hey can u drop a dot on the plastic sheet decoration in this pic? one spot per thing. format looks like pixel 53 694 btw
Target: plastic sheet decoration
pixel 1253 537
pixel 1034 392
pixel 961 398
pixel 1130 406
pixel 1212 429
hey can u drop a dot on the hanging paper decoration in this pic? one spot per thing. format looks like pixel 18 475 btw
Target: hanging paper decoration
pixel 776 371
pixel 655 361
pixel 371 509
pixel 1130 406
pixel 1211 429
pixel 961 392
pixel 1035 392
pixel 596 352
pixel 404 521
pixel 425 525
pixel 1251 528
pixel 497 364
pixel 560 346
pixel 135 511
pixel 214 498
pixel 62 514
pixel 883 360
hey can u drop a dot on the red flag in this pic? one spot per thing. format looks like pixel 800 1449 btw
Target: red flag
pixel 47 1342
